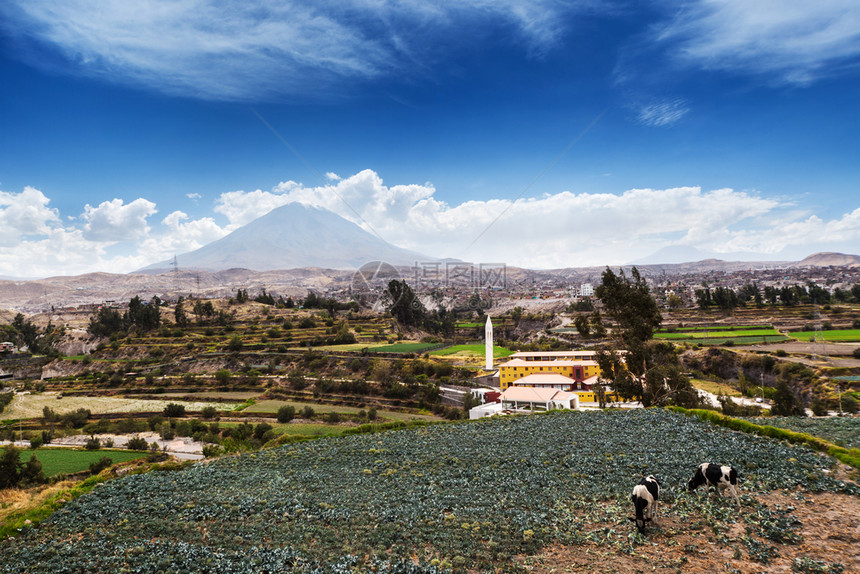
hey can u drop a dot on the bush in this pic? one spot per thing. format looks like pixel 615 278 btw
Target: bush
pixel 209 413
pixel 75 419
pixel 174 410
pixel 166 432
pixel 263 432
pixel 93 443
pixel 103 463
pixel 856 353
pixel 36 441
pixel 286 413
pixel 333 418
pixel 235 345
pixel 371 414
pixel 308 413
pixel 154 422
pixel 137 443
pixel 212 450
pixel 183 428
pixel 818 407
pixel 781 353
pixel 223 377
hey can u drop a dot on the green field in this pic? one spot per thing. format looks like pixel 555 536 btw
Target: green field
pixel 485 496
pixel 474 349
pixel 721 335
pixel 67 460
pixel 846 335
pixel 843 431
pixel 404 348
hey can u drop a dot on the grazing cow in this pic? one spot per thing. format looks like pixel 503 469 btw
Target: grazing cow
pixel 720 477
pixel 644 497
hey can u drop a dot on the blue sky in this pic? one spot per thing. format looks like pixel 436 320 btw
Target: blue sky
pixel 541 134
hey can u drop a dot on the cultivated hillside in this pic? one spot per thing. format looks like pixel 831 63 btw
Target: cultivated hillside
pixel 542 491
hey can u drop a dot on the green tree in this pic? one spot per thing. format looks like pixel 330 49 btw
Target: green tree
pixel 629 303
pixel 10 467
pixel 286 413
pixel 179 314
pixel 581 324
pixel 403 304
pixel 785 402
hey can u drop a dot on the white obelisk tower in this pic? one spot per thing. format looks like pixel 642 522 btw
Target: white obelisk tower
pixel 488 336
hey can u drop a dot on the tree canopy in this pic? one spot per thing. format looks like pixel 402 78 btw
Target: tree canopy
pixel 628 302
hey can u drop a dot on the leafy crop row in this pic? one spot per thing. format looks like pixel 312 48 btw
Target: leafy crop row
pixel 443 496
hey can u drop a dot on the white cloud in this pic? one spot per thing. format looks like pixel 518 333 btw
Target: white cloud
pixel 663 113
pixel 555 230
pixel 25 213
pixel 193 196
pixel 114 221
pixel 248 50
pixel 795 40
pixel 562 229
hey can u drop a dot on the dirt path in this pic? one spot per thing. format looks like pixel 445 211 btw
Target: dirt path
pixel 829 527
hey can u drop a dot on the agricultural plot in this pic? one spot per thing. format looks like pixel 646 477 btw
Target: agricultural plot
pixel 404 348
pixel 843 431
pixel 67 461
pixel 271 406
pixel 844 335
pixel 457 496
pixel 721 335
pixel 31 406
pixel 477 349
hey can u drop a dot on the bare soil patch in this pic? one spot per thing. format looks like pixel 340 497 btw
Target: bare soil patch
pixel 829 527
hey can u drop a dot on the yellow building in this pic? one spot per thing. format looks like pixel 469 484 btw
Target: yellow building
pixel 566 370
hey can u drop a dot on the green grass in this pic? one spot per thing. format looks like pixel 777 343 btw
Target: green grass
pixel 475 349
pixel 720 328
pixel 703 334
pixel 67 461
pixel 835 335
pixel 404 348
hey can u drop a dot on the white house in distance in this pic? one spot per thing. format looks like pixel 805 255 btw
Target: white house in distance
pixel 527 400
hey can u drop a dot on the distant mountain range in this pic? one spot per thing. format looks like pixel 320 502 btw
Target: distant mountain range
pixel 293 236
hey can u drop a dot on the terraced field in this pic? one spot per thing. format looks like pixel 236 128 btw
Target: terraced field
pixel 528 493
pixel 721 334
pixel 845 335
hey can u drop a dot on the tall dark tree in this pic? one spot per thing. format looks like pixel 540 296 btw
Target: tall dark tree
pixel 785 402
pixel 403 304
pixel 629 303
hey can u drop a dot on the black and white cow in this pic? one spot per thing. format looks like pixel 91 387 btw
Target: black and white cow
pixel 645 496
pixel 720 477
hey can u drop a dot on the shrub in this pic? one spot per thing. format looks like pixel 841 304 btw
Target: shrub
pixel 333 418
pixel 212 450
pixel 856 353
pixel 263 431
pixel 286 413
pixel 93 443
pixel 209 413
pixel 174 410
pixel 166 432
pixel 183 428
pixel 103 463
pixel 154 422
pixel 781 353
pixel 36 441
pixel 75 419
pixel 308 412
pixel 137 443
pixel 371 414
pixel 235 345
pixel 223 377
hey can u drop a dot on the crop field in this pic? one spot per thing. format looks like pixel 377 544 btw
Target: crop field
pixel 720 335
pixel 843 431
pixel 481 496
pixel 67 460
pixel 846 335
pixel 403 348
pixel 477 349
pixel 31 406
pixel 271 407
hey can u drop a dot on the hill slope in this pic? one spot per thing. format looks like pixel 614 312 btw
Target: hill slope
pixel 293 236
pixel 477 496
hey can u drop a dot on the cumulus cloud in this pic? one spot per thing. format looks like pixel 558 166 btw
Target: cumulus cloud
pixel 115 221
pixel 793 40
pixel 181 234
pixel 557 230
pixel 25 213
pixel 246 50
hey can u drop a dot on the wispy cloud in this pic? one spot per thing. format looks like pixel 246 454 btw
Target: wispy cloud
pixel 240 50
pixel 791 41
pixel 662 113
